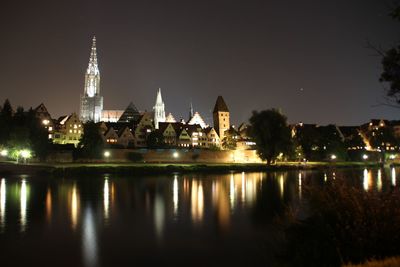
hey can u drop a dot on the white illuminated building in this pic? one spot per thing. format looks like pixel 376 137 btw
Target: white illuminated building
pixel 159 110
pixel 92 102
pixel 197 119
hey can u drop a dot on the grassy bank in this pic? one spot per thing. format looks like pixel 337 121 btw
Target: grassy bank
pixel 166 168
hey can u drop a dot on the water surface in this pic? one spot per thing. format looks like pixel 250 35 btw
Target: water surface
pixel 195 219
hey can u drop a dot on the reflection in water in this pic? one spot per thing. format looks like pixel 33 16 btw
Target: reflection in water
pixel 220 203
pixel 300 185
pixel 232 192
pixel 48 204
pixel 243 187
pixel 175 192
pixel 74 207
pixel 89 238
pixel 325 177
pixel 197 201
pixel 367 179
pixel 393 176
pixel 281 185
pixel 159 216
pixel 106 199
pixel 23 200
pixel 379 180
pixel 2 204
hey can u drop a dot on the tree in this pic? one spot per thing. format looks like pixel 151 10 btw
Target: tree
pixel 155 140
pixel 271 134
pixel 391 65
pixel 5 122
pixel 91 144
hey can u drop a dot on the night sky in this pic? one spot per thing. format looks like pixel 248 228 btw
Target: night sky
pixel 256 54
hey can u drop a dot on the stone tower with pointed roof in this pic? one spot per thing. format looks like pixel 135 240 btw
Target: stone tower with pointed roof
pixel 221 117
pixel 91 100
pixel 159 110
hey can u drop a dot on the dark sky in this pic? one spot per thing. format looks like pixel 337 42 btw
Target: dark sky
pixel 256 54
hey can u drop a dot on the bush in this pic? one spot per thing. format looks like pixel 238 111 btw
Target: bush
pixel 346 225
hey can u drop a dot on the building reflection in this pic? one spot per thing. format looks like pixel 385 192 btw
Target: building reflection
pixel 159 216
pixel 23 205
pixel 74 206
pixel 89 239
pixel 175 194
pixel 106 199
pixel 2 204
pixel 197 201
pixel 367 179
pixel 393 176
pixel 379 181
pixel 221 204
pixel 48 205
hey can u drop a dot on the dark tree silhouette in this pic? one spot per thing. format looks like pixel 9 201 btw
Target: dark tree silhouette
pixel 91 144
pixel 271 133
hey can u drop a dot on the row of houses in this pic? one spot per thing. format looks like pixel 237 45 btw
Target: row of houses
pixel 134 131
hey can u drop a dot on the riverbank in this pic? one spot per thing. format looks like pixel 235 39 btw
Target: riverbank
pixel 167 168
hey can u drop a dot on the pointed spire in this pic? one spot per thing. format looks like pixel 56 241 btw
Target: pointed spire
pixel 191 113
pixel 159 97
pixel 93 53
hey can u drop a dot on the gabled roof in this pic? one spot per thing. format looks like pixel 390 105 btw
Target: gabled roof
pixel 220 105
pixel 131 113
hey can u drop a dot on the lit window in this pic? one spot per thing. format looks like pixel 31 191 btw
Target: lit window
pixel 50 128
pixel 70 131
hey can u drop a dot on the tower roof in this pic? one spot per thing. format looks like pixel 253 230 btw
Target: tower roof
pixel 159 98
pixel 220 105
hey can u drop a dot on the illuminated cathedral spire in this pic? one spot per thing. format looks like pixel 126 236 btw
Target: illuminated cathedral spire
pixel 159 109
pixel 91 101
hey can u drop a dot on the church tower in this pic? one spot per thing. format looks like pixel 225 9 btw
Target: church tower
pixel 159 110
pixel 221 117
pixel 91 101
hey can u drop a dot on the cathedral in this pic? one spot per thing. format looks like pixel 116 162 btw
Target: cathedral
pixel 91 106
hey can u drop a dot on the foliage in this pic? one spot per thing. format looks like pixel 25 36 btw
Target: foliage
pixel 91 144
pixel 271 134
pixel 23 130
pixel 391 65
pixel 155 140
pixel 347 225
pixel 229 142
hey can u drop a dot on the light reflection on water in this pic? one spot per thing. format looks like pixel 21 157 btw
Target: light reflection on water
pixel 23 206
pixel 2 204
pixel 158 209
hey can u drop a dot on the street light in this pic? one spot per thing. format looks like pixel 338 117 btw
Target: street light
pixel 4 152
pixel 107 154
pixel 365 156
pixel 333 157
pixel 175 154
pixel 25 154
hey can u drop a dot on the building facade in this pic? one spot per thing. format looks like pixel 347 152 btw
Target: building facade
pixel 91 105
pixel 221 117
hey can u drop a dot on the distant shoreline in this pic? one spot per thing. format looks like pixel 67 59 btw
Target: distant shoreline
pixel 9 168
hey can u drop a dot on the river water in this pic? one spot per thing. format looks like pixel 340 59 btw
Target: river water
pixel 179 220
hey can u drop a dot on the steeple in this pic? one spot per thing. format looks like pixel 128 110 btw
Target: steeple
pixel 92 77
pixel 159 109
pixel 91 100
pixel 191 113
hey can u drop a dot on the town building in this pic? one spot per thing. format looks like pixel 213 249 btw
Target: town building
pixel 44 116
pixel 221 117
pixel 68 130
pixel 91 106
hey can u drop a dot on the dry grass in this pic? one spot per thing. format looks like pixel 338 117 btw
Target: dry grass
pixel 389 262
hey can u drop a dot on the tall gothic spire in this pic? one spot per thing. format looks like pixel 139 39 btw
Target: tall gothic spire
pixel 92 77
pixel 191 112
pixel 93 53
pixel 159 109
pixel 91 100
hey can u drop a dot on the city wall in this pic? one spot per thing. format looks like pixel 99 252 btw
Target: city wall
pixel 170 156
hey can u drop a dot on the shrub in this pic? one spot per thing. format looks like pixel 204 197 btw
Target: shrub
pixel 346 224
